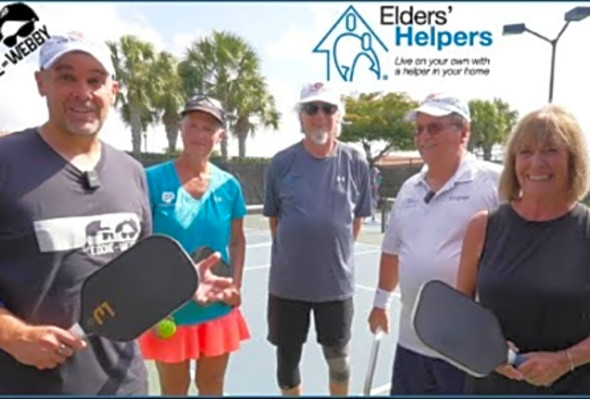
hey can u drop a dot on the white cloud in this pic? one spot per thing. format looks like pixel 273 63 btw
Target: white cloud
pixel 266 143
pixel 294 44
pixel 20 105
pixel 181 41
pixel 102 21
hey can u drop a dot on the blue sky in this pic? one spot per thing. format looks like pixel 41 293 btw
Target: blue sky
pixel 284 35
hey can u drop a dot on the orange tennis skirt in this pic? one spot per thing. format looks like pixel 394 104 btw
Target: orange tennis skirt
pixel 210 339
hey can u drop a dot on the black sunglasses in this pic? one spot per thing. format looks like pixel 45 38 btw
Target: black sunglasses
pixel 312 109
pixel 24 30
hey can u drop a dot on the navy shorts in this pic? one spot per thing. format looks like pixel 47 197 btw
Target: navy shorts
pixel 414 374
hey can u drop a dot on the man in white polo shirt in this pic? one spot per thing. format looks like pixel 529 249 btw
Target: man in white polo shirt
pixel 424 235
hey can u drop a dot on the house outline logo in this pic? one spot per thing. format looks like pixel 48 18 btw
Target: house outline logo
pixel 356 30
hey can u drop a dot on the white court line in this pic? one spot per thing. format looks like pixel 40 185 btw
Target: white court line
pixel 252 230
pixel 371 251
pixel 256 267
pixel 261 234
pixel 259 245
pixel 367 288
pixel 268 243
pixel 381 390
pixel 362 287
pixel 366 244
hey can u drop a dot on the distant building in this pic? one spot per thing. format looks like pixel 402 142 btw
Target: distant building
pixel 413 158
pixel 497 153
pixel 398 160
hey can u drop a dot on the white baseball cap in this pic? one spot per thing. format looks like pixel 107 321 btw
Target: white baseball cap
pixel 320 91
pixel 59 45
pixel 440 104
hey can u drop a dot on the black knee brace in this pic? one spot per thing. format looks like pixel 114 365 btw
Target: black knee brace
pixel 338 362
pixel 288 358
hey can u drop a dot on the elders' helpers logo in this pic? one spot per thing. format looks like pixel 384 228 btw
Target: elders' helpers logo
pixel 21 34
pixel 423 40
pixel 349 43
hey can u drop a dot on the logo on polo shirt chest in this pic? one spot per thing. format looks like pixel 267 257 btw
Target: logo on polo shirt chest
pixel 459 197
pixel 410 203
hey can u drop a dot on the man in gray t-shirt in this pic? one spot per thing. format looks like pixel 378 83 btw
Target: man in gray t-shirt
pixel 69 203
pixel 55 231
pixel 317 194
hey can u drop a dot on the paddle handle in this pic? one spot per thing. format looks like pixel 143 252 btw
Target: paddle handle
pixel 372 362
pixel 77 330
pixel 515 359
pixel 379 334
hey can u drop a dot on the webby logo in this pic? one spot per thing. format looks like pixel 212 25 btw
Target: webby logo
pixel 21 34
pixel 352 47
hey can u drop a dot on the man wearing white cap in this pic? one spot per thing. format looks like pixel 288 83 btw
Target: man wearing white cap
pixel 424 236
pixel 317 194
pixel 64 195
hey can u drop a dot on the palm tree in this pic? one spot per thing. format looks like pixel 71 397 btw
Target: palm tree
pixel 226 66
pixel 135 67
pixel 255 103
pixel 169 100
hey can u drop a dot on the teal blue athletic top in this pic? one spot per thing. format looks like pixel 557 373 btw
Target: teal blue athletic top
pixel 196 222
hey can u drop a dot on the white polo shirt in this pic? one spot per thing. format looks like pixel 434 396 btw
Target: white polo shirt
pixel 427 237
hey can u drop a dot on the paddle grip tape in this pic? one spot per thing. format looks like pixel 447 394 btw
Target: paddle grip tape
pixel 382 299
pixel 338 362
pixel 76 329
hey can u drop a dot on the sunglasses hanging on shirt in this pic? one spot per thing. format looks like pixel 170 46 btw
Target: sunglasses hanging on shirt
pixel 428 197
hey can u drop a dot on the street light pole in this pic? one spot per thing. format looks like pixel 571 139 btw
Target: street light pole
pixel 552 73
pixel 573 15
pixel 553 49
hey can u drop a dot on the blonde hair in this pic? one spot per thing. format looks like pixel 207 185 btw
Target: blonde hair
pixel 549 124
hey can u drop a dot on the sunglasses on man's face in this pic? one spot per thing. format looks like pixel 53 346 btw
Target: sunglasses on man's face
pixel 432 128
pixel 312 109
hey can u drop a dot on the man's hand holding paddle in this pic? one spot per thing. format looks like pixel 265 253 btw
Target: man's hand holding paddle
pixel 43 347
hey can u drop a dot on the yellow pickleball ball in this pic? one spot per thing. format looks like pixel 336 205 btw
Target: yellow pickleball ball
pixel 166 328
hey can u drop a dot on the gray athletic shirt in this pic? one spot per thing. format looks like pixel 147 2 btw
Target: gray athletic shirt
pixel 315 201
pixel 54 232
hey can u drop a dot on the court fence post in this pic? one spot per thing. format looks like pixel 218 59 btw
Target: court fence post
pixel 386 205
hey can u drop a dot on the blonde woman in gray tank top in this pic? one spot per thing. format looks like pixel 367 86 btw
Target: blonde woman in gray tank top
pixel 529 260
